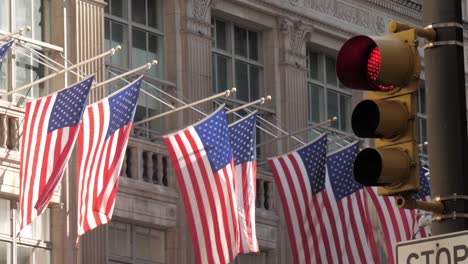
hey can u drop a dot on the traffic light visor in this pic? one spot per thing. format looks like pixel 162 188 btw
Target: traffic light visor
pixel 375 64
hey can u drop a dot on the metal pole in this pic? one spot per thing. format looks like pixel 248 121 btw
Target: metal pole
pixel 446 111
pixel 109 52
pixel 259 101
pixel 224 94
pixel 145 67
pixel 19 32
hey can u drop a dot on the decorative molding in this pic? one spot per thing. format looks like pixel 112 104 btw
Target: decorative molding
pixel 198 20
pixel 297 35
pixel 349 13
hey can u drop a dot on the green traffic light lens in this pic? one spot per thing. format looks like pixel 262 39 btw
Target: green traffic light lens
pixel 368 167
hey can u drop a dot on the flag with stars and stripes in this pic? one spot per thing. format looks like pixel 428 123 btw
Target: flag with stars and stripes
pixel 4 49
pixel 326 216
pixel 423 219
pixel 243 142
pixel 102 142
pixel 400 224
pixel 204 165
pixel 350 207
pixel 50 129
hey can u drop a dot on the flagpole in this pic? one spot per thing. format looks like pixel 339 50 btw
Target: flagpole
pixel 19 32
pixel 223 94
pixel 145 67
pixel 299 131
pixel 259 101
pixel 109 52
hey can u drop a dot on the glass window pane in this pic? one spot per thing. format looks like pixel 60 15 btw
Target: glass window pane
pixel 139 11
pixel 345 110
pixel 316 103
pixel 3 73
pixel 315 66
pixel 107 38
pixel 253 45
pixel 242 81
pixel 5 252
pixel 139 47
pixel 254 82
pixel 221 35
pixel 28 71
pixel 331 71
pixel 223 65
pixel 119 8
pixel 23 15
pixel 332 106
pixel 106 8
pixel 149 244
pixel 5 224
pixel 120 239
pixel 4 7
pixel 39 12
pixel 240 41
pixel 154 14
pixel 39 229
pixel 119 36
pixel 155 53
pixel 31 255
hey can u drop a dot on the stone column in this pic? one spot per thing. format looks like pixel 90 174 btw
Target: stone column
pixel 196 54
pixel 293 70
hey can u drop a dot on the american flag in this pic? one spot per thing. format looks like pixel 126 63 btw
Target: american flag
pixel 399 224
pixel 357 245
pixel 4 49
pixel 243 142
pixel 50 130
pixel 204 165
pixel 424 194
pixel 102 142
pixel 300 179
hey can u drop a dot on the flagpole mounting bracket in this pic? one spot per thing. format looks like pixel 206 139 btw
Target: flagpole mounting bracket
pixel 453 207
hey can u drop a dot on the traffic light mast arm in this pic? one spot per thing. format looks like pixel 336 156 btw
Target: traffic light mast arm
pixel 427 33
pixel 407 202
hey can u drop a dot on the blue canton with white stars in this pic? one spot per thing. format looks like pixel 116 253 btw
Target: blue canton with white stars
pixel 340 172
pixel 214 135
pixel 69 105
pixel 243 140
pixel 122 107
pixel 4 49
pixel 425 188
pixel 314 157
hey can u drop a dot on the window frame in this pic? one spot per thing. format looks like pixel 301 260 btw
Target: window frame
pixel 325 87
pixel 230 53
pixel 134 259
pixel 15 241
pixel 130 24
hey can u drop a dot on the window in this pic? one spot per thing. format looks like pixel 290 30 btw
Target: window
pixel 422 117
pixel 32 246
pixel 33 13
pixel 129 243
pixel 327 97
pixel 236 60
pixel 136 26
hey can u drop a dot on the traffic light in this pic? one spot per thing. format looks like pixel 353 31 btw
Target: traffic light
pixel 388 68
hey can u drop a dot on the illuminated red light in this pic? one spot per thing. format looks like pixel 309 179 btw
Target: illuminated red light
pixel 373 68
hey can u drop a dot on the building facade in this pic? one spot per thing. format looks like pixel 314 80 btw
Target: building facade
pixel 283 48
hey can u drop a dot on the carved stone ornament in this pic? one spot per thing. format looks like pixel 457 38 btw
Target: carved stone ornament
pixel 296 36
pixel 199 21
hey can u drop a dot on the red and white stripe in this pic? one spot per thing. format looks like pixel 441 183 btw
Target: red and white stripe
pixel 99 163
pixel 308 223
pixel 320 229
pixel 246 190
pixel 209 198
pixel 43 155
pixel 397 224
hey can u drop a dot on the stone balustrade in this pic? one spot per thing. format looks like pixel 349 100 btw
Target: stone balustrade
pixel 11 118
pixel 265 191
pixel 147 162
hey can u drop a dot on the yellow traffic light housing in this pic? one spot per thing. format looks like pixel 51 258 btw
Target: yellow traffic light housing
pixel 388 68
